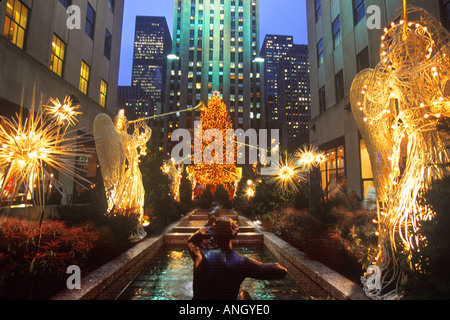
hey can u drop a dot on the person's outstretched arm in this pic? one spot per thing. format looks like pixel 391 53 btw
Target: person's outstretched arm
pixel 265 271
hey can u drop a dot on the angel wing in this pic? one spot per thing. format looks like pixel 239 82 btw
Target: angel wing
pixel 368 102
pixel 110 152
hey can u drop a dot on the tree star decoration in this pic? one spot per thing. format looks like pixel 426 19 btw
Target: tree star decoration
pixel 401 100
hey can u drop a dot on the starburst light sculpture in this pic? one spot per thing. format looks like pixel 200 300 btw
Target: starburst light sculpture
pixel 36 146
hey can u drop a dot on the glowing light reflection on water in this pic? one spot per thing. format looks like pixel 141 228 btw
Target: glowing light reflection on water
pixel 169 277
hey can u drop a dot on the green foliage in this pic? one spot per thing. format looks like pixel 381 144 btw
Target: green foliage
pixel 158 194
pixel 433 256
pixel 122 223
pixel 301 197
pixel 266 200
pixel 206 198
pixel 222 197
pixel 186 192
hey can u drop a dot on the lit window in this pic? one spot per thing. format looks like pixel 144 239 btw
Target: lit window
pixel 16 22
pixel 57 55
pixel 333 167
pixel 84 77
pixel 103 93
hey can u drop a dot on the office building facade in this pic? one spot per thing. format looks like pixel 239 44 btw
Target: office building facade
pixel 41 54
pixel 273 48
pixel 152 44
pixel 293 97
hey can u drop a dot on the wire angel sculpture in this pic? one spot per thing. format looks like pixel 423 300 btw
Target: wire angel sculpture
pixel 174 172
pixel 400 102
pixel 118 154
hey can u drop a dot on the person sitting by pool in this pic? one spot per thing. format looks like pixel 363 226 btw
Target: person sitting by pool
pixel 218 270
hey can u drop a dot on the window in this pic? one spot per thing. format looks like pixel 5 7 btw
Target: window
pixel 16 20
pixel 84 77
pixel 366 169
pixel 320 53
pixel 322 100
pixel 57 55
pixel 318 8
pixel 445 13
pixel 90 21
pixel 339 83
pixel 103 93
pixel 108 42
pixel 362 60
pixel 112 4
pixel 333 167
pixel 66 3
pixel 359 10
pixel 337 39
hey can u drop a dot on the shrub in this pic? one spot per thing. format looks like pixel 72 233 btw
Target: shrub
pixel 294 226
pixel 29 256
pixel 122 222
pixel 186 192
pixel 355 232
pixel 433 255
pixel 158 193
pixel 222 196
pixel 206 198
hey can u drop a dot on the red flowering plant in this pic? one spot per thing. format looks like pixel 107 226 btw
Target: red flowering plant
pixel 29 252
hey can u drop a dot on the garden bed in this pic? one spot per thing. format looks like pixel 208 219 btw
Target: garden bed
pixel 50 272
pixel 318 239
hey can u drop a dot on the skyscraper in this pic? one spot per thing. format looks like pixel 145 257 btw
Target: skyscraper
pixel 151 46
pixel 215 48
pixel 293 96
pixel 273 48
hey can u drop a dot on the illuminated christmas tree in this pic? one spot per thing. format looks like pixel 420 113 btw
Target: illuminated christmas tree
pixel 215 157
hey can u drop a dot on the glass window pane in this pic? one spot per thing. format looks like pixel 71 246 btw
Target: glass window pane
pixel 9 7
pixel 24 17
pixel 20 37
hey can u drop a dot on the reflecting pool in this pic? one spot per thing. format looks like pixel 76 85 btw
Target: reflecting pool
pixel 169 277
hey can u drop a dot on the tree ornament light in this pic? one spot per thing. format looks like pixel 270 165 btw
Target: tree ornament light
pixel 400 102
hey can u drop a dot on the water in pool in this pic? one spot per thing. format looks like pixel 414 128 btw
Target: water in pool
pixel 169 277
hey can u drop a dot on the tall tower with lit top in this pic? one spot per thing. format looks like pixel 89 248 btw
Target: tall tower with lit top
pixel 215 48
